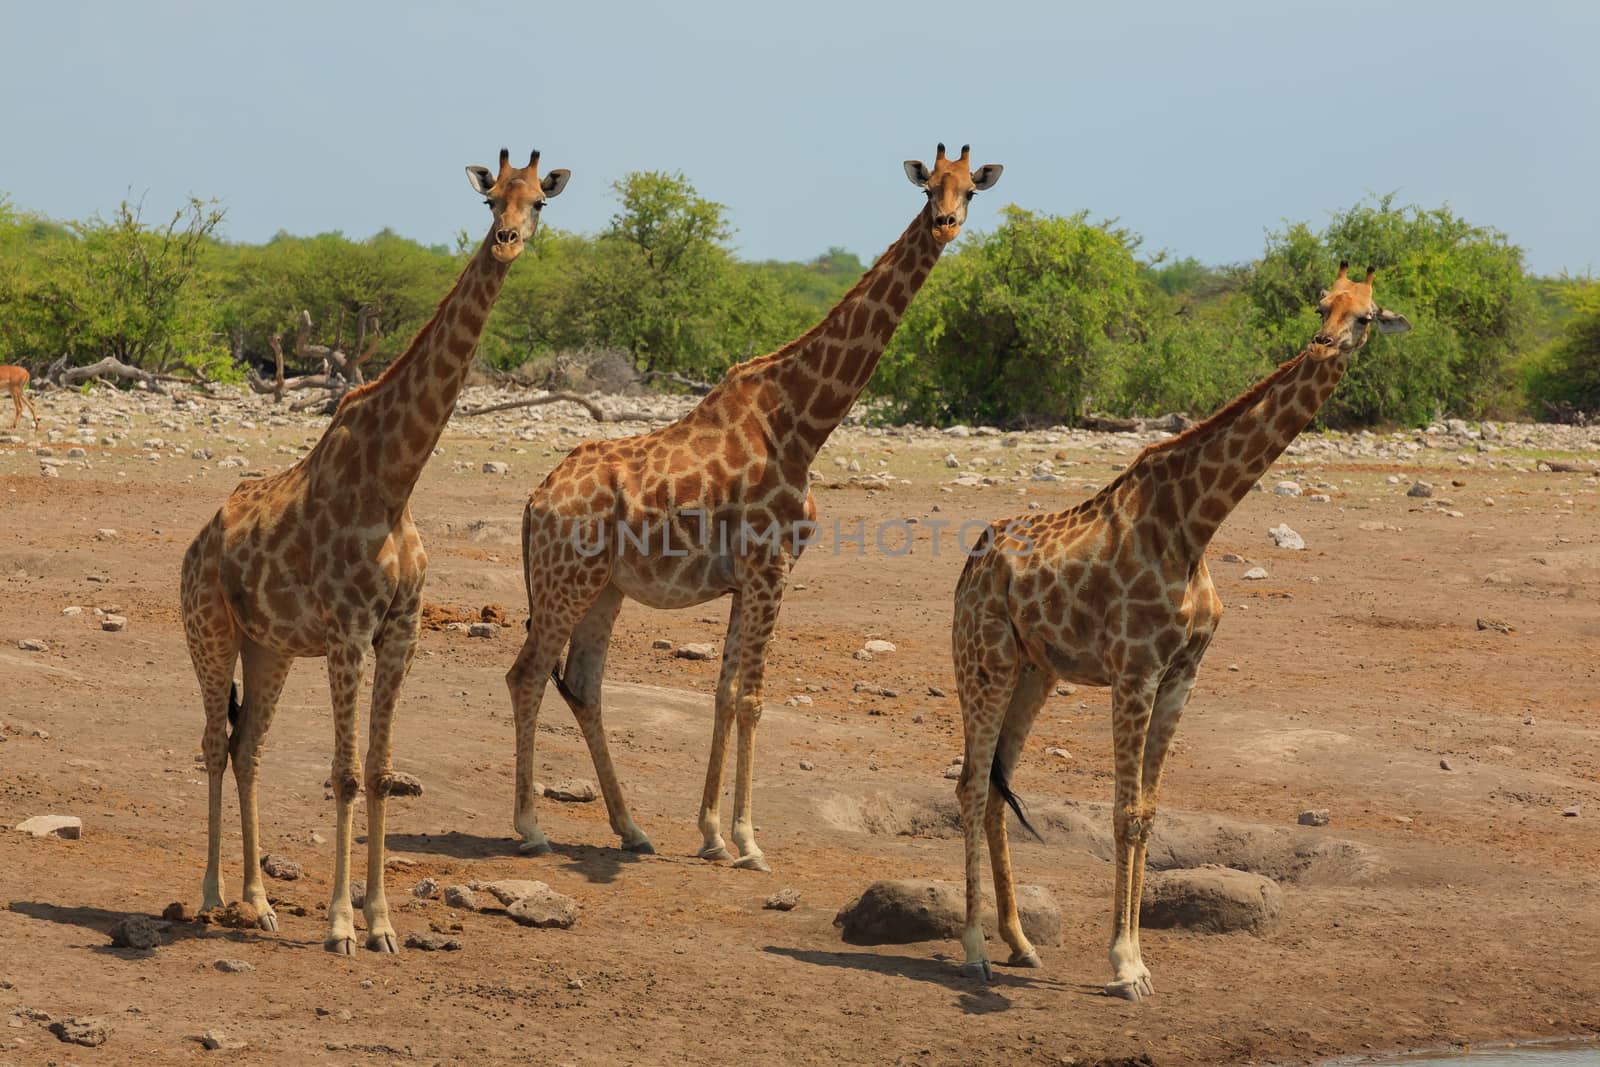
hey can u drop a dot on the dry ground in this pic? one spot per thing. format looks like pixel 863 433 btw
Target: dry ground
pixel 1339 682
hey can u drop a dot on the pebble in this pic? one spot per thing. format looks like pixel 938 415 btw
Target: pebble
pixel 113 623
pixel 935 691
pixel 807 765
pixel 482 629
pixel 495 467
pixel 783 900
pixel 1570 813
pixel 1057 751
pixel 281 867
pixel 1255 574
pixel 426 889
pixel 878 646
pixel 951 461
pixel 234 966
pixel 661 643
pixel 216 1041
pixel 1444 765
pixel 799 700
pixel 1232 557
pixel 432 943
pixel 573 791
pixel 698 650
pixel 1286 489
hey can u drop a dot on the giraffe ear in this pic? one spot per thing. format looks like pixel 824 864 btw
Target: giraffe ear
pixel 917 173
pixel 480 179
pixel 554 182
pixel 1392 321
pixel 986 175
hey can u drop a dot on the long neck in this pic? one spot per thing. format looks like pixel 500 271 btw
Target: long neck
pixel 398 417
pixel 808 386
pixel 1191 483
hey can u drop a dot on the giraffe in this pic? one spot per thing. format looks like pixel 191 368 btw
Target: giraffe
pixel 737 463
pixel 16 380
pixel 323 559
pixel 1115 592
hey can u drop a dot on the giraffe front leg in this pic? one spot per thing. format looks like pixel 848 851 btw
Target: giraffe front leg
pixel 395 647
pixel 712 845
pixel 760 597
pixel 344 681
pixel 1130 726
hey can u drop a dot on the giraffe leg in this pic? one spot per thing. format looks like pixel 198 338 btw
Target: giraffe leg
pixel 213 648
pixel 584 675
pixel 344 682
pixel 760 596
pixel 265 672
pixel 1026 700
pixel 712 846
pixel 1131 708
pixel 394 647
pixel 987 675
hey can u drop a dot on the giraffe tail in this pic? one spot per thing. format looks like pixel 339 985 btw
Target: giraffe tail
pixel 235 707
pixel 997 778
pixel 561 687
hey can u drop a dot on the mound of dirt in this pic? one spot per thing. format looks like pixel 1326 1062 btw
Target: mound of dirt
pixel 438 616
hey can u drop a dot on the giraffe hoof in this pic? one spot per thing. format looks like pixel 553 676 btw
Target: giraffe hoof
pixel 340 946
pixel 1129 989
pixel 1024 959
pixel 533 848
pixel 756 862
pixel 268 921
pixel 978 969
pixel 643 848
pixel 383 942
pixel 715 852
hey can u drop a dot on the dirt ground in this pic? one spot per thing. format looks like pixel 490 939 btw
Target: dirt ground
pixel 1341 682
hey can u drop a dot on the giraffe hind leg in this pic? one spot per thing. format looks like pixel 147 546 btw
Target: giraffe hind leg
pixel 213 642
pixel 265 672
pixel 1026 699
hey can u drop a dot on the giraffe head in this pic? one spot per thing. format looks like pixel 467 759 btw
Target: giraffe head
pixel 949 185
pixel 1349 312
pixel 516 195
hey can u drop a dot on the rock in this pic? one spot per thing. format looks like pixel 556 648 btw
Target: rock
pixel 799 700
pixel 573 791
pixel 1233 557
pixel 1444 765
pixel 281 867
pixel 510 890
pixel 178 912
pixel 482 629
pixel 783 900
pixel 461 896
pixel 136 931
pixel 1286 489
pixel 697 650
pixel 1059 753
pixel 660 643
pixel 1420 489
pixel 215 1041
pixel 239 915
pixel 935 691
pixel 1319 498
pixel 1496 625
pixel 807 765
pixel 113 623
pixel 66 827
pixel 234 966
pixel 1570 813
pixel 878 647
pixel 72 611
pixel 401 784
pixel 1284 537
pixel 105 535
pixel 1255 574
pixel 545 909
pixel 32 644
pixel 953 772
pixel 1212 899
pixel 863 655
pixel 493 467
pixel 432 943
pixel 426 889
pixel 897 912
pixel 90 1031
pixel 1313 817
pixel 358 892
pixel 951 461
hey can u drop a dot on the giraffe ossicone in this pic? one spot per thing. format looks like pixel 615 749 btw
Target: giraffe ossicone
pixel 322 559
pixel 740 457
pixel 1115 592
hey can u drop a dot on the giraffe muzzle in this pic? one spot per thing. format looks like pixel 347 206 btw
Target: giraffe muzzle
pixel 507 245
pixel 945 228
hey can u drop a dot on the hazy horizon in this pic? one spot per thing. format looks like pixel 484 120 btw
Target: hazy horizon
pixel 1200 129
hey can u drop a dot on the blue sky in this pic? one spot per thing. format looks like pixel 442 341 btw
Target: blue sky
pixel 1200 126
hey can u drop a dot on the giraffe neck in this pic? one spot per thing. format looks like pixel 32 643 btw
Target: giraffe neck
pixel 805 388
pixel 397 418
pixel 1195 480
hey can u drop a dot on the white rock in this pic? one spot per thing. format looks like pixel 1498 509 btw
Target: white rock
pixel 483 629
pixel 1255 574
pixel 876 646
pixel 799 700
pixel 113 623
pixel 1284 537
pixel 696 650
pixel 32 644
pixel 951 461
pixel 66 827
pixel 494 467
pixel 1286 489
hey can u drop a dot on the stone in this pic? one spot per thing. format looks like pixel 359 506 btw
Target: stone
pixel 1420 489
pixel 807 765
pixel 863 655
pixel 106 535
pixel 216 1041
pixel 1496 625
pixel 1284 537
pixel 660 644
pixel 482 629
pixel 72 611
pixel 696 650
pixel 90 1031
pixel 898 912
pixel 783 900
pixel 573 791
pixel 546 909
pixel 1286 489
pixel 432 943
pixel 878 647
pixel 461 896
pixel 1059 753
pixel 935 691
pixel 281 867
pixel 1444 765
pixel 1211 899
pixel 509 890
pixel 234 966
pixel 1313 817
pixel 240 915
pixel 1233 557
pixel 358 892
pixel 32 644
pixel 799 700
pixel 426 889
pixel 401 784
pixel 1255 574
pixel 1570 813
pixel 113 623
pixel 136 931
pixel 66 827
pixel 951 461
pixel 178 912
pixel 494 467
pixel 953 772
